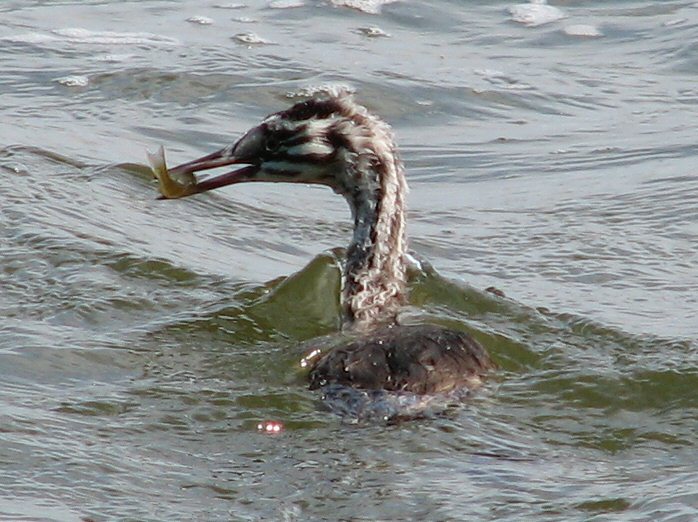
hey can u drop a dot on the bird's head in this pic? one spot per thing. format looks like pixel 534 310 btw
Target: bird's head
pixel 328 140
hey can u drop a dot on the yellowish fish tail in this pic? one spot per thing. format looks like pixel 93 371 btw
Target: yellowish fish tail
pixel 170 187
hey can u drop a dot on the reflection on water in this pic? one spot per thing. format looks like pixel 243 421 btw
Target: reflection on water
pixel 550 151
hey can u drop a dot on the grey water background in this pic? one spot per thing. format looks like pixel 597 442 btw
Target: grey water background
pixel 551 153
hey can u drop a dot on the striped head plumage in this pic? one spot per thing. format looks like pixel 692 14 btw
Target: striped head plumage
pixel 331 140
pixel 328 140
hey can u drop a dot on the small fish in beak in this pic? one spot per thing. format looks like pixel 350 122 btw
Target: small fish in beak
pixel 180 181
pixel 172 185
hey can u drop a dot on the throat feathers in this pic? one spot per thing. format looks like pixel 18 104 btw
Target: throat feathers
pixel 375 188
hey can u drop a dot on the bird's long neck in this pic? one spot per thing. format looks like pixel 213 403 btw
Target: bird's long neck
pixel 375 280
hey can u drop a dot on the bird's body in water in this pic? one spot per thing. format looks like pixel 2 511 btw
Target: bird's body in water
pixel 331 140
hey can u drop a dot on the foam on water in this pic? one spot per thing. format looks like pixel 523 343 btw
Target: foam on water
pixel 232 5
pixel 373 32
pixel 366 6
pixel 251 39
pixel 325 88
pixel 582 30
pixel 535 13
pixel 74 81
pixel 286 4
pixel 200 20
pixel 114 58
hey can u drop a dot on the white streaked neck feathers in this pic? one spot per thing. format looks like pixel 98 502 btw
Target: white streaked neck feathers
pixel 374 185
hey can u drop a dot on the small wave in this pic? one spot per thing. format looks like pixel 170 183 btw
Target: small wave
pixel 77 35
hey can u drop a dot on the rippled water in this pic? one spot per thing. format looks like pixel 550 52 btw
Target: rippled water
pixel 551 152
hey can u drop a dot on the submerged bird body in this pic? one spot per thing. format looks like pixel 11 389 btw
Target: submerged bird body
pixel 331 140
pixel 417 359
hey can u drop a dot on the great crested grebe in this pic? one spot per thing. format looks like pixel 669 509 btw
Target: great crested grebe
pixel 331 140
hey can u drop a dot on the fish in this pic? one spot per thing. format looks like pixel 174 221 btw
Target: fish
pixel 171 186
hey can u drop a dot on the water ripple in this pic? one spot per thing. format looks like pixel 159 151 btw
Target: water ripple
pixel 142 341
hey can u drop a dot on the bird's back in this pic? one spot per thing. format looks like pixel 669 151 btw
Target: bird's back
pixel 420 359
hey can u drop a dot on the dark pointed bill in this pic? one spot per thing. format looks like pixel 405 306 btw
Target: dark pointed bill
pixel 217 159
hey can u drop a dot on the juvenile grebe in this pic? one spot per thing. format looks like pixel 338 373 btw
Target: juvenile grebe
pixel 330 140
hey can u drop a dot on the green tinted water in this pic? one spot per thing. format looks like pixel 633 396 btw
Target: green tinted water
pixel 142 341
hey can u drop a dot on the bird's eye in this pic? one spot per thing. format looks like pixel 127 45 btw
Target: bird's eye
pixel 272 143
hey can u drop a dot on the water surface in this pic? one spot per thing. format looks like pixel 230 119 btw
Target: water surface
pixel 550 153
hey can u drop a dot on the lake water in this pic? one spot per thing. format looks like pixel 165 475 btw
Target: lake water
pixel 551 152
